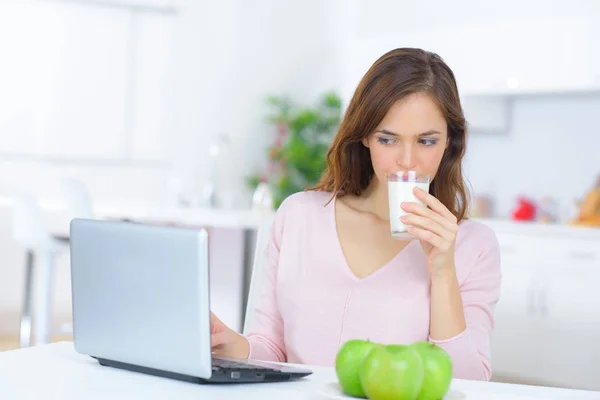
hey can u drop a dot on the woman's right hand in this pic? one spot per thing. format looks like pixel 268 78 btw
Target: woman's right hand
pixel 225 341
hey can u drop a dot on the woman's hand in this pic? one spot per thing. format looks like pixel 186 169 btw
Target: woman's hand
pixel 435 227
pixel 225 341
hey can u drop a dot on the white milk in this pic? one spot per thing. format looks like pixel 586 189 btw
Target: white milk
pixel 399 192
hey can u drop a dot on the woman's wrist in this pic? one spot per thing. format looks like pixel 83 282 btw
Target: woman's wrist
pixel 443 275
pixel 447 314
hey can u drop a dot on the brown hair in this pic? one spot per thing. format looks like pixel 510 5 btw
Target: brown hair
pixel 393 76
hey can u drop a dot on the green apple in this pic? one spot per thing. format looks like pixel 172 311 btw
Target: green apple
pixel 396 347
pixel 437 366
pixel 347 362
pixel 392 372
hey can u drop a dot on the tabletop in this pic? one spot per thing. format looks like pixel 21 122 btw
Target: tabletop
pixel 57 371
pixel 240 218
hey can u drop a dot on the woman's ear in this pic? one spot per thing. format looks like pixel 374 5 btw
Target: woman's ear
pixel 365 142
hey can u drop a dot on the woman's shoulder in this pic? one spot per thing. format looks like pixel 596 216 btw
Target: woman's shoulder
pixel 476 248
pixel 306 201
pixel 300 210
pixel 476 233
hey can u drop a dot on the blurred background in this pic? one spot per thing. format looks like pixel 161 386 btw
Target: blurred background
pixel 209 113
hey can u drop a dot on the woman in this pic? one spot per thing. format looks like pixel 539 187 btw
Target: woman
pixel 333 272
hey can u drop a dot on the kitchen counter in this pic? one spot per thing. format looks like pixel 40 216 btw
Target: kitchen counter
pixel 540 229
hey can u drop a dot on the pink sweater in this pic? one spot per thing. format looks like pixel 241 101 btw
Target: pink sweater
pixel 311 301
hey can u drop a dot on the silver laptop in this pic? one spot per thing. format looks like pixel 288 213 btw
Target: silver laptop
pixel 140 297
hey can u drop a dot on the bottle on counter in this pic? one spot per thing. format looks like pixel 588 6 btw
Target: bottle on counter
pixel 219 191
pixel 547 210
pixel 262 199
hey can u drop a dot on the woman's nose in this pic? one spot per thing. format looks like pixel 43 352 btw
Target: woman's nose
pixel 406 159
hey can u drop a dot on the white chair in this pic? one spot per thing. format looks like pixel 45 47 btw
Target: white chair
pixel 30 231
pixel 263 236
pixel 79 204
pixel 77 198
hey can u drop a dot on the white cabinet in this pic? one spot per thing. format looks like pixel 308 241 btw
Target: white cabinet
pixel 65 73
pixel 547 320
pixel 150 4
pixel 494 48
pixel 152 82
pixel 79 90
pixel 547 326
pixel 515 344
pixel 492 62
pixel 522 57
pixel 569 325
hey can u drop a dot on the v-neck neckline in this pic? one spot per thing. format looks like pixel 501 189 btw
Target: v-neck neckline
pixel 342 256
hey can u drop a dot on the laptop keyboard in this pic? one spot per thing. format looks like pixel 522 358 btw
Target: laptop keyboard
pixel 223 363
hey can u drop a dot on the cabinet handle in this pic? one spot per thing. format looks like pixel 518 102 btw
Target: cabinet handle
pixel 582 255
pixel 507 249
pixel 542 303
pixel 531 299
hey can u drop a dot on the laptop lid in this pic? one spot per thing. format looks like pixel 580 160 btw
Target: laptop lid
pixel 140 295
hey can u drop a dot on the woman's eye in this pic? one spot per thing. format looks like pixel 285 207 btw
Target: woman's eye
pixel 384 140
pixel 428 142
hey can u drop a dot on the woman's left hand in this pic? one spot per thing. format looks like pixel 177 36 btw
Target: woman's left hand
pixel 435 227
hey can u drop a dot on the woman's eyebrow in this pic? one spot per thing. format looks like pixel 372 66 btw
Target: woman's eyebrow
pixel 428 133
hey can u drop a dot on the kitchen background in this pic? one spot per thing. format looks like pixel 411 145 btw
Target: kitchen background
pixel 130 96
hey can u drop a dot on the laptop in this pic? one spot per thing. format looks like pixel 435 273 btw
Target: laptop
pixel 141 302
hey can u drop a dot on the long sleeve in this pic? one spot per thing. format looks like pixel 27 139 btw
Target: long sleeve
pixel 480 291
pixel 266 333
pixel 308 302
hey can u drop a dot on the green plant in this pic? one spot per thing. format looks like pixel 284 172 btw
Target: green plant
pixel 297 158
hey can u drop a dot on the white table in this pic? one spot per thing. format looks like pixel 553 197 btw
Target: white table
pixel 246 220
pixel 57 371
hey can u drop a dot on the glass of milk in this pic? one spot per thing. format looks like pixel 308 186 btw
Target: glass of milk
pixel 401 186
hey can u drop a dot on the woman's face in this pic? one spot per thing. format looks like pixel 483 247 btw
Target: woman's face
pixel 412 136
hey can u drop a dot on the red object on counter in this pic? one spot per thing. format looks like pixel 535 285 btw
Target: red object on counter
pixel 525 210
